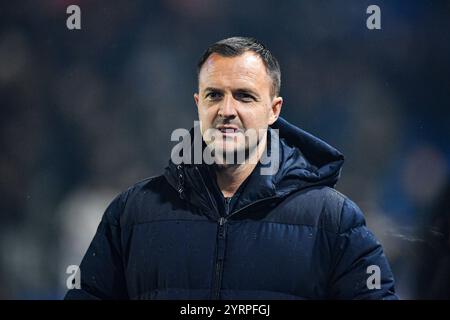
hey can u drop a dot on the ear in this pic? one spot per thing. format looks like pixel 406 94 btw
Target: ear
pixel 275 109
pixel 196 99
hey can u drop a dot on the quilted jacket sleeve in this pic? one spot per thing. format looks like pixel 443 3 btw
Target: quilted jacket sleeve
pixel 102 272
pixel 361 270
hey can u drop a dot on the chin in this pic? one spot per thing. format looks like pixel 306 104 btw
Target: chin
pixel 231 154
pixel 230 147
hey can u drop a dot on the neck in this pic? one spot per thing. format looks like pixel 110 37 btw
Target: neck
pixel 230 177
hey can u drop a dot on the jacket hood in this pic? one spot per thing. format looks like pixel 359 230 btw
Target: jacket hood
pixel 304 161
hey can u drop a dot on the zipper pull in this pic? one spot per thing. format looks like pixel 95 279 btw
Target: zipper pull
pixel 227 206
pixel 180 181
pixel 222 221
pixel 221 233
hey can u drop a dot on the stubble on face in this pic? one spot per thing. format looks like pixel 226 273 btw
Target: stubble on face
pixel 234 100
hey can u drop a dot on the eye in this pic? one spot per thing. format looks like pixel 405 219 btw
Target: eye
pixel 213 95
pixel 244 97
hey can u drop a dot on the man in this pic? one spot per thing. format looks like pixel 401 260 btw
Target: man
pixel 227 230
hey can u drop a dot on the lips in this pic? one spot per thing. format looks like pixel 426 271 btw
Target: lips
pixel 228 129
pixel 229 132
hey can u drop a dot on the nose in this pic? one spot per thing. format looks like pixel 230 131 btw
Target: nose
pixel 228 108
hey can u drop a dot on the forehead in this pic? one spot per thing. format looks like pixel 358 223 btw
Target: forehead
pixel 247 69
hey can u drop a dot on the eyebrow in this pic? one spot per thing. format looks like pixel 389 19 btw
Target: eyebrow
pixel 212 89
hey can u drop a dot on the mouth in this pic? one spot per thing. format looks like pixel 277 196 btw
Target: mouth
pixel 228 130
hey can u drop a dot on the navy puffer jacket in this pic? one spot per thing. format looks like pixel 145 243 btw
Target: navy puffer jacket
pixel 289 235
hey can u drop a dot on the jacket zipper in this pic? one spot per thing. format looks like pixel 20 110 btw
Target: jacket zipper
pixel 220 243
pixel 219 257
pixel 221 236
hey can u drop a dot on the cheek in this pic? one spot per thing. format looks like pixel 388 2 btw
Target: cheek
pixel 255 117
pixel 207 114
pixel 202 110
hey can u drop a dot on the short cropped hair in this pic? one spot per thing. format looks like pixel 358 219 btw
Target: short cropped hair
pixel 235 46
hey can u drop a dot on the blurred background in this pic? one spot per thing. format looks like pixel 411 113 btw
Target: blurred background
pixel 87 113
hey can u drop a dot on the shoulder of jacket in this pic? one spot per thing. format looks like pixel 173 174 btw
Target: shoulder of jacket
pixel 324 207
pixel 344 211
pixel 114 211
pixel 341 213
pixel 351 216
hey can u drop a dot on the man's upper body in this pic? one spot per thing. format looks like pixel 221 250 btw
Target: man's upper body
pixel 229 229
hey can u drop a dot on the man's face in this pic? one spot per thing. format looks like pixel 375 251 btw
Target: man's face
pixel 235 100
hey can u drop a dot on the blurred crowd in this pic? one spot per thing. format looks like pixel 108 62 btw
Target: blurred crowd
pixel 86 113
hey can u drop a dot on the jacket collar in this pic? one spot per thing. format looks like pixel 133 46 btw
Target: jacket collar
pixel 304 161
